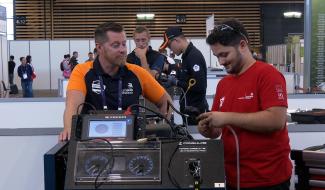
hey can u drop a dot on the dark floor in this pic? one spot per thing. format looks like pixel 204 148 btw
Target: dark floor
pixel 38 93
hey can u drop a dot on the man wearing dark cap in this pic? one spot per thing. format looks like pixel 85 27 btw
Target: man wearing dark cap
pixel 193 69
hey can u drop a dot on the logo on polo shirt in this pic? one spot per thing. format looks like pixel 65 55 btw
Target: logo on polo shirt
pixel 129 89
pixel 221 101
pixel 247 97
pixel 279 91
pixel 95 86
pixel 196 68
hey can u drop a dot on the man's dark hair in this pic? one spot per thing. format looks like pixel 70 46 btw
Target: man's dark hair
pixel 90 53
pixel 101 30
pixel 228 33
pixel 74 53
pixel 28 58
pixel 95 50
pixel 21 58
pixel 12 57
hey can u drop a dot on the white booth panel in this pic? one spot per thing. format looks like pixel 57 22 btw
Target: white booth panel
pixel 40 52
pixel 22 161
pixel 289 77
pixel 212 85
pixel 156 42
pixel 82 47
pixel 4 59
pixel 300 103
pixel 214 60
pixel 58 48
pixel 203 47
pixel 92 45
pixel 31 114
pixel 18 49
pixel 131 45
pixel 128 45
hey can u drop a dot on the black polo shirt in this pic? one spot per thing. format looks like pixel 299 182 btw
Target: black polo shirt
pixel 135 81
pixel 193 67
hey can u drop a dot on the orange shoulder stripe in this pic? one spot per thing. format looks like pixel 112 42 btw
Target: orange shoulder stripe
pixel 77 77
pixel 151 89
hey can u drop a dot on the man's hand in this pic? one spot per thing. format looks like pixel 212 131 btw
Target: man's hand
pixel 73 100
pixel 140 53
pixel 171 80
pixel 213 119
pixel 64 135
pixel 210 124
pixel 208 132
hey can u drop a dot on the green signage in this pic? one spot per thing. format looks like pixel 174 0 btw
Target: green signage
pixel 317 66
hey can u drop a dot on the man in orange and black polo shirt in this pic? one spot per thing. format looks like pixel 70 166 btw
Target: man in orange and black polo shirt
pixel 109 82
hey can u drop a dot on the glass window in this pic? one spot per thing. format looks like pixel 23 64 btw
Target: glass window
pixel 10 15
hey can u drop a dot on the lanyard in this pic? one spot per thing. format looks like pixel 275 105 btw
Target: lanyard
pixel 102 92
pixel 119 94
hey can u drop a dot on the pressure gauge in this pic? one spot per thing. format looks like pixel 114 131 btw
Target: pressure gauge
pixel 140 165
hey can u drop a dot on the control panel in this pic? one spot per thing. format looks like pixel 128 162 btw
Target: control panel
pixel 117 163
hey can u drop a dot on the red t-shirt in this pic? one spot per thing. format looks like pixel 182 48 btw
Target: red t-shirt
pixel 264 157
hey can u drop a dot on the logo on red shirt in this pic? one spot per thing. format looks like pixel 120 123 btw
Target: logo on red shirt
pixel 279 91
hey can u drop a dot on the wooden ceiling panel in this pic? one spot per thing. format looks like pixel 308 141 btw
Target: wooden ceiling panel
pixel 59 19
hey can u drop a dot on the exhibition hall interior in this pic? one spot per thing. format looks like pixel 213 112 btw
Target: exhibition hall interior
pixel 162 94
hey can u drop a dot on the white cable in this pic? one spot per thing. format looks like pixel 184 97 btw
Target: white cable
pixel 237 155
pixel 184 95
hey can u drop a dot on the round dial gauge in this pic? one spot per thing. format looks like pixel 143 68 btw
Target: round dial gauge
pixel 95 164
pixel 140 165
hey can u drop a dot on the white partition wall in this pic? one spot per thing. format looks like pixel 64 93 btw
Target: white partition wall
pixel 131 45
pixel 3 59
pixel 58 48
pixel 82 47
pixel 214 61
pixel 92 45
pixel 18 49
pixel 155 43
pixel 46 58
pixel 47 55
pixel 40 52
pixel 200 44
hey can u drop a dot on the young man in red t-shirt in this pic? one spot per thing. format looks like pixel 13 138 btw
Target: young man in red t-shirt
pixel 251 101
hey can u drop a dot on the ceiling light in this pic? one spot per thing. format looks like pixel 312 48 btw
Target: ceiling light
pixel 145 16
pixel 292 14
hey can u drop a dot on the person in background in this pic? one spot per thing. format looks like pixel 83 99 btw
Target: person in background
pixel 66 66
pixel 193 68
pixel 109 83
pixel 11 68
pixel 25 72
pixel 250 105
pixel 143 55
pixel 95 53
pixel 90 57
pixel 73 60
pixel 29 62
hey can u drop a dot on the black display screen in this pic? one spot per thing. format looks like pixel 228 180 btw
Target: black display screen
pixel 107 128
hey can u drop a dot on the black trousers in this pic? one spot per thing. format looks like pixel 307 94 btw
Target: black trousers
pixel 282 186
